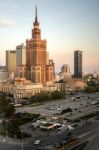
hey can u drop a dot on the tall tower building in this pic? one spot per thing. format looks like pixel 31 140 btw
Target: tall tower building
pixel 20 55
pixel 11 61
pixel 78 64
pixel 39 67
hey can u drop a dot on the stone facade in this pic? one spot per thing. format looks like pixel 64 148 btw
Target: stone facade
pixel 72 85
pixel 25 88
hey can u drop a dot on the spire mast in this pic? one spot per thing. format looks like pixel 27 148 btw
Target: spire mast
pixel 36 14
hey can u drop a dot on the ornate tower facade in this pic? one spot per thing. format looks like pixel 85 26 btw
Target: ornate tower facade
pixel 37 57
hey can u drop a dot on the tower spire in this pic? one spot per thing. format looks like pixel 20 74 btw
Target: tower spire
pixel 36 14
pixel 36 30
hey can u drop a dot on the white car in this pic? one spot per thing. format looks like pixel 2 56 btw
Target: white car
pixel 4 140
pixel 37 142
pixel 70 127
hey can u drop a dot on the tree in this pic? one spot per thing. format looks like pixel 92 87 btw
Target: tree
pixel 57 95
pixel 40 97
pixel 10 111
pixel 45 96
pixel 3 104
pixel 5 107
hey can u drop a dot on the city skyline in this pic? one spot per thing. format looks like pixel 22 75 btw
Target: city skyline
pixel 67 26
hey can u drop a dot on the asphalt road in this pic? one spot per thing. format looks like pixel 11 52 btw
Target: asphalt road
pixel 49 108
pixel 7 146
pixel 90 129
pixel 94 143
pixel 54 139
pixel 84 132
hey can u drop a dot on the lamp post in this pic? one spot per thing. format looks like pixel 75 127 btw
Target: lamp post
pixel 40 147
pixel 66 91
pixel 6 129
pixel 63 145
pixel 22 140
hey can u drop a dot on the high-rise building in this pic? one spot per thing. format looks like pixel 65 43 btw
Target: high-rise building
pixel 78 64
pixel 3 74
pixel 39 68
pixel 11 61
pixel 65 68
pixel 20 55
pixel 65 73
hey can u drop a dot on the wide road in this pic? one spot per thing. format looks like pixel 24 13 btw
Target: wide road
pixel 94 143
pixel 91 136
pixel 55 139
pixel 7 146
pixel 78 132
pixel 4 146
pixel 49 108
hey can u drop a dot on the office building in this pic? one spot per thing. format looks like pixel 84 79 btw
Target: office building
pixel 78 64
pixel 3 75
pixel 65 73
pixel 20 55
pixel 11 61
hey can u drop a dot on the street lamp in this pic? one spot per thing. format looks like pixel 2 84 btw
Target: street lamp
pixel 6 129
pixel 63 144
pixel 40 147
pixel 22 140
pixel 65 91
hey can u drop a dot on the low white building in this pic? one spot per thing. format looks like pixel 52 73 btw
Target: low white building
pixel 72 85
pixel 23 88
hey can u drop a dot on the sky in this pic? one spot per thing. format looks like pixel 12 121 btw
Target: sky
pixel 67 25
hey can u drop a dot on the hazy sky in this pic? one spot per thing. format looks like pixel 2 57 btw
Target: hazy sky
pixel 66 24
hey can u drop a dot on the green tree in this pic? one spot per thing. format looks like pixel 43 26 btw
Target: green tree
pixel 3 104
pixel 5 108
pixel 40 97
pixel 57 94
pixel 89 89
pixel 10 111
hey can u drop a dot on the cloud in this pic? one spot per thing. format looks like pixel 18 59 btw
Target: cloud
pixel 6 23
